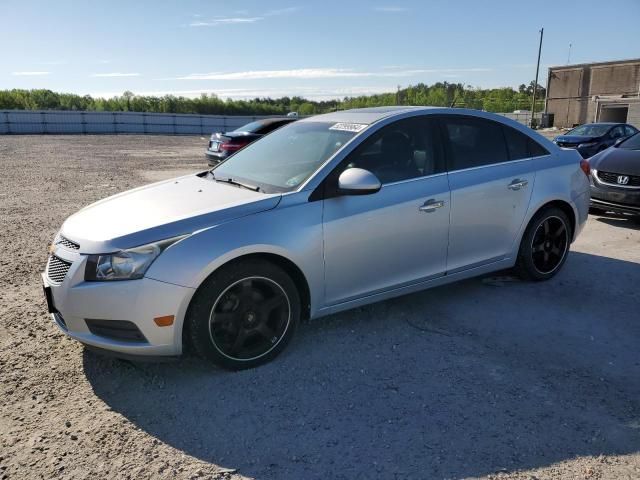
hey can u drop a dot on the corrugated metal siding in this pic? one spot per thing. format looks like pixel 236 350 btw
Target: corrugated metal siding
pixel 69 122
pixel 61 122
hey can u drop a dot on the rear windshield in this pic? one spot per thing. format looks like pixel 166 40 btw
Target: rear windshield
pixel 590 130
pixel 282 160
pixel 252 127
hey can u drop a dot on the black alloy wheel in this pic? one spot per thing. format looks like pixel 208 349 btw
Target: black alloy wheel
pixel 249 318
pixel 549 244
pixel 545 244
pixel 243 315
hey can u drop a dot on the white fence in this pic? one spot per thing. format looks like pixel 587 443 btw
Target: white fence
pixel 60 122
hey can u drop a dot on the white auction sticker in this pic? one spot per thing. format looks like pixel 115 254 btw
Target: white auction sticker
pixel 349 127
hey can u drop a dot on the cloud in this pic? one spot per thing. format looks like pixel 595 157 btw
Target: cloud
pixel 225 21
pixel 315 73
pixel 281 11
pixel 249 93
pixel 29 74
pixel 115 74
pixel 242 17
pixel 304 73
pixel 391 9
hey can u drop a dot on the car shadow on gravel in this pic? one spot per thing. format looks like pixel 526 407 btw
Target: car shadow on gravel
pixel 464 380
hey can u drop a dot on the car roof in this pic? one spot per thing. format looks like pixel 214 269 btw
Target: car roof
pixel 363 115
pixel 269 120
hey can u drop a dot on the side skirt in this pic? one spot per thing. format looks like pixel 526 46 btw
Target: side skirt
pixel 416 287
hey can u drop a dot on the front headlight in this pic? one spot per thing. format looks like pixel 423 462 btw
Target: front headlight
pixel 127 264
pixel 588 145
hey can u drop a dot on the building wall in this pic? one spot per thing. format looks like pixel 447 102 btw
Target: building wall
pixel 570 89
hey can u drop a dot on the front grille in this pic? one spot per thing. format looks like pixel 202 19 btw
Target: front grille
pixel 610 177
pixel 57 269
pixel 122 330
pixel 66 243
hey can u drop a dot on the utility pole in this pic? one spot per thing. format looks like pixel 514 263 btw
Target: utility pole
pixel 535 84
pixel 569 56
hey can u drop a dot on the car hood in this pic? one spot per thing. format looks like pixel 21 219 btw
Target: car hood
pixel 617 160
pixel 161 210
pixel 576 139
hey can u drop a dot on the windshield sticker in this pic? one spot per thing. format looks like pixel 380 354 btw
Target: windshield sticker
pixel 349 127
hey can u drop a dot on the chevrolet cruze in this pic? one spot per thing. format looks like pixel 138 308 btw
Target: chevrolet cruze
pixel 325 214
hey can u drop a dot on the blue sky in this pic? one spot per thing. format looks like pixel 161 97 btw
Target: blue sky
pixel 318 49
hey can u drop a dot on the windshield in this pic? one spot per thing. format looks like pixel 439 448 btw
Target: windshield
pixel 590 130
pixel 631 143
pixel 282 160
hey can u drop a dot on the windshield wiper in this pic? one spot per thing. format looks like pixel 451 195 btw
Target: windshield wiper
pixel 236 183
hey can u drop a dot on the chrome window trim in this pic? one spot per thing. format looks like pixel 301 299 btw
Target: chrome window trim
pixel 508 162
pixel 414 179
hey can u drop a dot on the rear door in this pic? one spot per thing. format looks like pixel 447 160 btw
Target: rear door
pixel 491 181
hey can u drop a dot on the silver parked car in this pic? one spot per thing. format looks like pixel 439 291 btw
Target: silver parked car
pixel 325 214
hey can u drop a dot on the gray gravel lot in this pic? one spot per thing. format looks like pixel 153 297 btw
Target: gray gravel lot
pixel 488 378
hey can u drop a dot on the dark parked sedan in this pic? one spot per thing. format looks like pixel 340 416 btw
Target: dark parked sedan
pixel 615 178
pixel 221 145
pixel 593 138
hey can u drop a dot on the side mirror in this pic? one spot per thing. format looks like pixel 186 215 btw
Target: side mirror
pixel 357 181
pixel 619 141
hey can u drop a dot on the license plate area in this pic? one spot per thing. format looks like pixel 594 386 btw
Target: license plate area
pixel 49 297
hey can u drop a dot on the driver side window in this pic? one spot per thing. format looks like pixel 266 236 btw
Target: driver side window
pixel 400 151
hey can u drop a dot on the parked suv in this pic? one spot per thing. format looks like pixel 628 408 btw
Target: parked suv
pixel 325 214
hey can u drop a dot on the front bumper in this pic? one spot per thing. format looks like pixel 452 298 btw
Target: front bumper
pixel 615 199
pixel 136 301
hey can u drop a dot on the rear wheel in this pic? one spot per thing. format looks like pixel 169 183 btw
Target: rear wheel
pixel 545 245
pixel 244 315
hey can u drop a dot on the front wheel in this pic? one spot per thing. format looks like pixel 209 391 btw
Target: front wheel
pixel 545 245
pixel 244 315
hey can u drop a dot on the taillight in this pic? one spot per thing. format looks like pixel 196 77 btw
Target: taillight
pixel 585 167
pixel 233 146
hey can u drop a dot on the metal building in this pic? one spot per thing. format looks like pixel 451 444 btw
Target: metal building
pixel 594 92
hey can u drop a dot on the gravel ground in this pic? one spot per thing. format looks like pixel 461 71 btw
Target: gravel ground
pixel 487 378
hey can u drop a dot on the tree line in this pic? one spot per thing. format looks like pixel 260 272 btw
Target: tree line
pixel 439 94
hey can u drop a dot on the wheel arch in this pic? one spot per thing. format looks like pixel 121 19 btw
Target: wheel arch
pixel 296 274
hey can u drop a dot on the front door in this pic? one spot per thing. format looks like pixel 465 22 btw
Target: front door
pixel 399 235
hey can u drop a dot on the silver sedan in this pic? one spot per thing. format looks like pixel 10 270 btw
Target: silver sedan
pixel 323 215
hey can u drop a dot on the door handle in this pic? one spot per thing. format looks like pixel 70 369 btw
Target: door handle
pixel 517 184
pixel 431 205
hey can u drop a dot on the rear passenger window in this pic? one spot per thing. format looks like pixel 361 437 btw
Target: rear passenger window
pixel 536 150
pixel 517 143
pixel 474 142
pixel 521 146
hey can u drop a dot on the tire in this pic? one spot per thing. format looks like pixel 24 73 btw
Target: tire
pixel 547 236
pixel 243 315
